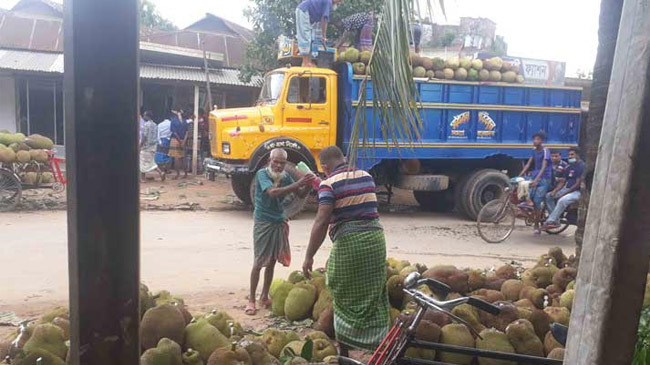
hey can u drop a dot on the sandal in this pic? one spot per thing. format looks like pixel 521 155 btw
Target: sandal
pixel 250 309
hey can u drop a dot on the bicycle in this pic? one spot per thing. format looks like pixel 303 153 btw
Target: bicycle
pixel 496 220
pixel 401 336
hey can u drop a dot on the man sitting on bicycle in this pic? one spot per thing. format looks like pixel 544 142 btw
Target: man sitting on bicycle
pixel 542 174
pixel 559 199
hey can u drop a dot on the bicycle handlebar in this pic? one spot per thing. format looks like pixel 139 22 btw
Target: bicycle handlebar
pixel 483 305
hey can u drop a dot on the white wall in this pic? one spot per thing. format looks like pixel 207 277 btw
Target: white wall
pixel 7 104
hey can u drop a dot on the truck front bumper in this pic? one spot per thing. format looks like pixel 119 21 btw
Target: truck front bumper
pixel 213 166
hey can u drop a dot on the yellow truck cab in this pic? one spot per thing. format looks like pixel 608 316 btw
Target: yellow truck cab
pixel 296 110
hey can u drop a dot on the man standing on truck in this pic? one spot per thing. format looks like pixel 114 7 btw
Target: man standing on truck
pixel 271 231
pixel 312 17
pixel 570 191
pixel 542 174
pixel 356 269
pixel 360 25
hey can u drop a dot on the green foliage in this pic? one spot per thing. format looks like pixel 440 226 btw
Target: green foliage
pixel 642 348
pixel 447 39
pixel 150 18
pixel 272 18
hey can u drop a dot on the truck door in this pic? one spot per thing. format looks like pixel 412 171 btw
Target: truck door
pixel 308 111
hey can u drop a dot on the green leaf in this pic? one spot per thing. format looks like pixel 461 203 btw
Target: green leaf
pixel 307 350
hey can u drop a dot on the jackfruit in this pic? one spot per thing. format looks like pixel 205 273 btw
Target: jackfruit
pixel 546 260
pixel 204 338
pixel 229 356
pixel 489 295
pixel 275 341
pixel 452 63
pixel 458 335
pixel 475 280
pixel 494 63
pixel 495 76
pixel 563 277
pixel 477 65
pixel 506 272
pixel 47 337
pixel 430 74
pixel 541 322
pixel 293 348
pixel 146 300
pixel 559 314
pixel 416 60
pixel 460 74
pixel 511 289
pixel 291 336
pixel 470 315
pixel 163 321
pixel 494 340
pixel 509 314
pixel 550 343
pixel 509 76
pixel 166 352
pixel 493 282
pixel 256 350
pixel 429 332
pixel 23 156
pixel 274 286
pixel 49 316
pixel 521 334
pixel 520 79
pixel 324 300
pixel 566 299
pixel 539 297
pixel 39 142
pixel 365 57
pixel 438 64
pixel 540 276
pixel 192 357
pixel 37 357
pixel 164 297
pixel 419 71
pixel 224 323
pixel 322 349
pixel 296 277
pixel 317 334
pixel 450 275
pixel 407 270
pixel 556 354
pixel 572 285
pixel 427 63
pixel 439 74
pixel 395 287
pixel 64 325
pixel 7 155
pixel 472 75
pixel 465 62
pixel 9 138
pixel 484 75
pixel 448 73
pixel 38 156
pixel 318 282
pixel 300 301
pixel 280 295
pixel 439 318
pixel 352 55
pixel 359 68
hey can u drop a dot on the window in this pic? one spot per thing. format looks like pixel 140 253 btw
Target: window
pixel 307 90
pixel 272 88
pixel 41 108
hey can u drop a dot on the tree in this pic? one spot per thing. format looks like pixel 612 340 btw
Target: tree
pixel 608 24
pixel 150 18
pixel 272 18
pixel 447 39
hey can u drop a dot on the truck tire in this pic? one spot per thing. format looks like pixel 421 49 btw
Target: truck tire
pixel 423 182
pixel 459 201
pixel 241 186
pixel 292 203
pixel 483 186
pixel 435 201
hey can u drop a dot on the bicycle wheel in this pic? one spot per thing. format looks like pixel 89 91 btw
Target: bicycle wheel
pixel 10 190
pixel 496 221
pixel 563 223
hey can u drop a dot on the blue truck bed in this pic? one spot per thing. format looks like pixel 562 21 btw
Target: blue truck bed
pixel 470 120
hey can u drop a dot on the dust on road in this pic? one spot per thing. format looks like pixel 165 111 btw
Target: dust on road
pixel 205 256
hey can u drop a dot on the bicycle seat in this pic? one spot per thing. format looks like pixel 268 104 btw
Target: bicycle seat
pixel 560 333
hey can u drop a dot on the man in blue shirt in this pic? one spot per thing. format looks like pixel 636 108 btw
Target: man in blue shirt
pixel 570 192
pixel 540 161
pixel 271 231
pixel 309 14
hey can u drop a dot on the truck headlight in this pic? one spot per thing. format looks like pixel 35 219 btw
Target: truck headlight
pixel 225 148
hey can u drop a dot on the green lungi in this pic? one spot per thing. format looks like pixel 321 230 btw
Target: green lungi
pixel 271 243
pixel 356 276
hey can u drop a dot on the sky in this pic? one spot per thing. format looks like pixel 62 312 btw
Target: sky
pixel 560 30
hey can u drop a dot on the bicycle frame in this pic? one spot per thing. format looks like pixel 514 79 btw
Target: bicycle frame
pixel 401 336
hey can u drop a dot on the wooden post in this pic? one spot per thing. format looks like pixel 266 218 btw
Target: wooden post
pixel 195 132
pixel 614 260
pixel 101 110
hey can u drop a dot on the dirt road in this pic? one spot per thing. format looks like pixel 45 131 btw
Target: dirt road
pixel 205 256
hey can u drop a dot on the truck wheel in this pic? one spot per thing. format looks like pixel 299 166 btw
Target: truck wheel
pixel 435 201
pixel 292 203
pixel 423 182
pixel 483 186
pixel 241 186
pixel 459 200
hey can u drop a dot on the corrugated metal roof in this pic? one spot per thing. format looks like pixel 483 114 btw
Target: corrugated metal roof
pixel 53 63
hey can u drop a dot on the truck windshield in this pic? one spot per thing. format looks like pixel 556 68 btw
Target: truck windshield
pixel 272 88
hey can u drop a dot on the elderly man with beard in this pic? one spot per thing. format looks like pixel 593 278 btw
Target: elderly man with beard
pixel 271 231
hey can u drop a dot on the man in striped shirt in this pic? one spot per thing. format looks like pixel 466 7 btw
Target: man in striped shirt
pixel 356 269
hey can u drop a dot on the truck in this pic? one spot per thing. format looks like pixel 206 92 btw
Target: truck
pixel 474 135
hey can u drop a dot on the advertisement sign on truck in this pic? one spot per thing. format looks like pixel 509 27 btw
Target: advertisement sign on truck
pixel 536 72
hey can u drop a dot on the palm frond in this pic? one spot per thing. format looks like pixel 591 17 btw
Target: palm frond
pixel 395 100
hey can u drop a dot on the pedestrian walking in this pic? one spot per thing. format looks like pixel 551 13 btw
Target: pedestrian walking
pixel 356 268
pixel 271 230
pixel 148 145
